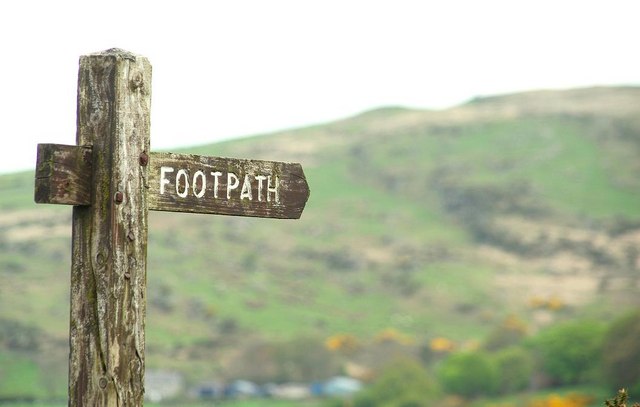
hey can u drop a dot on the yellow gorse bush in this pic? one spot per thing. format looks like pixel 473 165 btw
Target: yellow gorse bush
pixel 569 400
pixel 342 342
pixel 441 344
pixel 393 335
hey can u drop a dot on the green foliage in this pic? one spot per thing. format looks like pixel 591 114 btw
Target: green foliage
pixel 403 383
pixel 514 368
pixel 570 352
pixel 620 400
pixel 19 377
pixel 469 374
pixel 621 353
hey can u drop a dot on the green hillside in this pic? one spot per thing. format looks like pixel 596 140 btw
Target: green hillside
pixel 429 224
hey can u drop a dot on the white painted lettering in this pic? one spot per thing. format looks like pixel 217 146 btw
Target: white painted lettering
pixel 185 190
pixel 216 175
pixel 260 179
pixel 246 193
pixel 273 189
pixel 163 180
pixel 232 185
pixel 267 188
pixel 203 183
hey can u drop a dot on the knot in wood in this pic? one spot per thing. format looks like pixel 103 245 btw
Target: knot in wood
pixel 144 159
pixel 137 81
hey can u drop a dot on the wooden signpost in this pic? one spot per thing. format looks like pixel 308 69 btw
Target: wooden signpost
pixel 113 180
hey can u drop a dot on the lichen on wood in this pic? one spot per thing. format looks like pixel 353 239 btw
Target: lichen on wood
pixel 108 276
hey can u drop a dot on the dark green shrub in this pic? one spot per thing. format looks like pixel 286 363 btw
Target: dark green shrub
pixel 621 353
pixel 514 369
pixel 570 353
pixel 469 374
pixel 403 383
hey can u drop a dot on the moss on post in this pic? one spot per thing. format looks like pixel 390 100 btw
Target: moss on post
pixel 108 273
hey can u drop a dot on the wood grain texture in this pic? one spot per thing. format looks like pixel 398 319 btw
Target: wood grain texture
pixel 200 184
pixel 255 201
pixel 63 174
pixel 109 244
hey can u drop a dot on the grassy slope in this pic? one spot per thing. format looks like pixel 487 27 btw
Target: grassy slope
pixel 388 238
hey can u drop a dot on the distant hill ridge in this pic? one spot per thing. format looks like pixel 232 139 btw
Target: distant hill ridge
pixel 431 223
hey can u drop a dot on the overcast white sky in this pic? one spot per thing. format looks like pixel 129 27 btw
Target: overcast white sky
pixel 225 69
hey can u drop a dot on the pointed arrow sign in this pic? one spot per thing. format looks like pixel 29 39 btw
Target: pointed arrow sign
pixel 183 183
pixel 226 186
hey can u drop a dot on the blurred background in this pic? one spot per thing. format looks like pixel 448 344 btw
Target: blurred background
pixel 472 236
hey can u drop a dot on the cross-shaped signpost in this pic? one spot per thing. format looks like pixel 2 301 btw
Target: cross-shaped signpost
pixel 113 180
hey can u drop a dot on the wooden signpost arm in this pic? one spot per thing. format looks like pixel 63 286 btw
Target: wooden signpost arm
pixel 109 243
pixel 63 174
pixel 184 183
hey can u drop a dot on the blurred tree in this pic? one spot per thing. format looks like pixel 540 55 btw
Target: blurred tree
pixel 469 374
pixel 402 383
pixel 621 353
pixel 570 353
pixel 514 369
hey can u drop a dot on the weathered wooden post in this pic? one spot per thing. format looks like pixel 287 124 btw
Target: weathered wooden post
pixel 109 242
pixel 108 272
pixel 113 180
